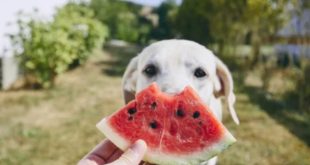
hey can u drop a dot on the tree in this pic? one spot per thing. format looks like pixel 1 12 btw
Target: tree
pixel 263 18
pixel 108 11
pixel 166 12
pixel 227 22
pixel 122 19
pixel 210 21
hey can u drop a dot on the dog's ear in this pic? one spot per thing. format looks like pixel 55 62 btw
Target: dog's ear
pixel 129 81
pixel 223 86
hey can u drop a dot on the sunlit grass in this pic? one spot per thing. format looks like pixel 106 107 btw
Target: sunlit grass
pixel 57 126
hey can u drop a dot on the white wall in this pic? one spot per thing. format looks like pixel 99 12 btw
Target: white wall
pixel 9 71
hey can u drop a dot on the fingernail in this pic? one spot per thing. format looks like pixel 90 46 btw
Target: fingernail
pixel 139 146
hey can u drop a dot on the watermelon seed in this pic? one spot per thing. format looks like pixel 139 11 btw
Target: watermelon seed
pixel 153 105
pixel 153 124
pixel 180 113
pixel 132 111
pixel 196 114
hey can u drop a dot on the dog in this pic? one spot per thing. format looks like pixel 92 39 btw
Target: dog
pixel 174 64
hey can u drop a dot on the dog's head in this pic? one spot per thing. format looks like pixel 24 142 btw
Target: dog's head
pixel 174 64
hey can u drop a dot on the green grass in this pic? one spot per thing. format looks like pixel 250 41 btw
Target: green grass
pixel 57 126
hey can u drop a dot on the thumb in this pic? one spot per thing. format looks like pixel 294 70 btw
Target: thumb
pixel 133 155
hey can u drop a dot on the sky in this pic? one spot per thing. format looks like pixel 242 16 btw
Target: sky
pixel 9 9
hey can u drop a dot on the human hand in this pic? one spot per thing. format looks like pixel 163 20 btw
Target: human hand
pixel 107 153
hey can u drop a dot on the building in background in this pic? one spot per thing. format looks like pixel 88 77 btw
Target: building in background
pixel 296 36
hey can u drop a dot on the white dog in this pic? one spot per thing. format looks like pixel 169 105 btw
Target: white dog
pixel 174 64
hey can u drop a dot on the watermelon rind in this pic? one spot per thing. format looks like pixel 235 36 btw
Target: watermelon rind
pixel 112 135
pixel 162 158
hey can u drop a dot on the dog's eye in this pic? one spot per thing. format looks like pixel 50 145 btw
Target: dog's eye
pixel 150 70
pixel 199 73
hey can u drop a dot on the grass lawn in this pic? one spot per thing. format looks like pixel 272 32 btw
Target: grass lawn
pixel 57 126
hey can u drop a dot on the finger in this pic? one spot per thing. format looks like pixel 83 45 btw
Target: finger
pixel 114 156
pixel 146 163
pixel 99 154
pixel 132 155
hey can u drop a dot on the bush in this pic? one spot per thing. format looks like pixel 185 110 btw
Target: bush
pixel 82 28
pixel 126 28
pixel 48 48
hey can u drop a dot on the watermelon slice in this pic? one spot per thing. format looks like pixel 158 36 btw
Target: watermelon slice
pixel 178 130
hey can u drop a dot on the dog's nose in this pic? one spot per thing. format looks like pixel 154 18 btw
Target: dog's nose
pixel 171 90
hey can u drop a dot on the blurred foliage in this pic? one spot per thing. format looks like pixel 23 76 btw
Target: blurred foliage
pixel 125 27
pixel 205 20
pixel 227 22
pixel 223 25
pixel 165 29
pixel 123 20
pixel 263 19
pixel 82 28
pixel 47 48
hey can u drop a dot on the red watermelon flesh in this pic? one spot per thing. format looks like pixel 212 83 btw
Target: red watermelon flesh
pixel 179 130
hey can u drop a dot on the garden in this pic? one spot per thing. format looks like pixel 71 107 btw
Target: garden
pixel 72 67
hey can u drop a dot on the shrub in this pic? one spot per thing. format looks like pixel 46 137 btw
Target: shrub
pixel 126 28
pixel 79 22
pixel 48 48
